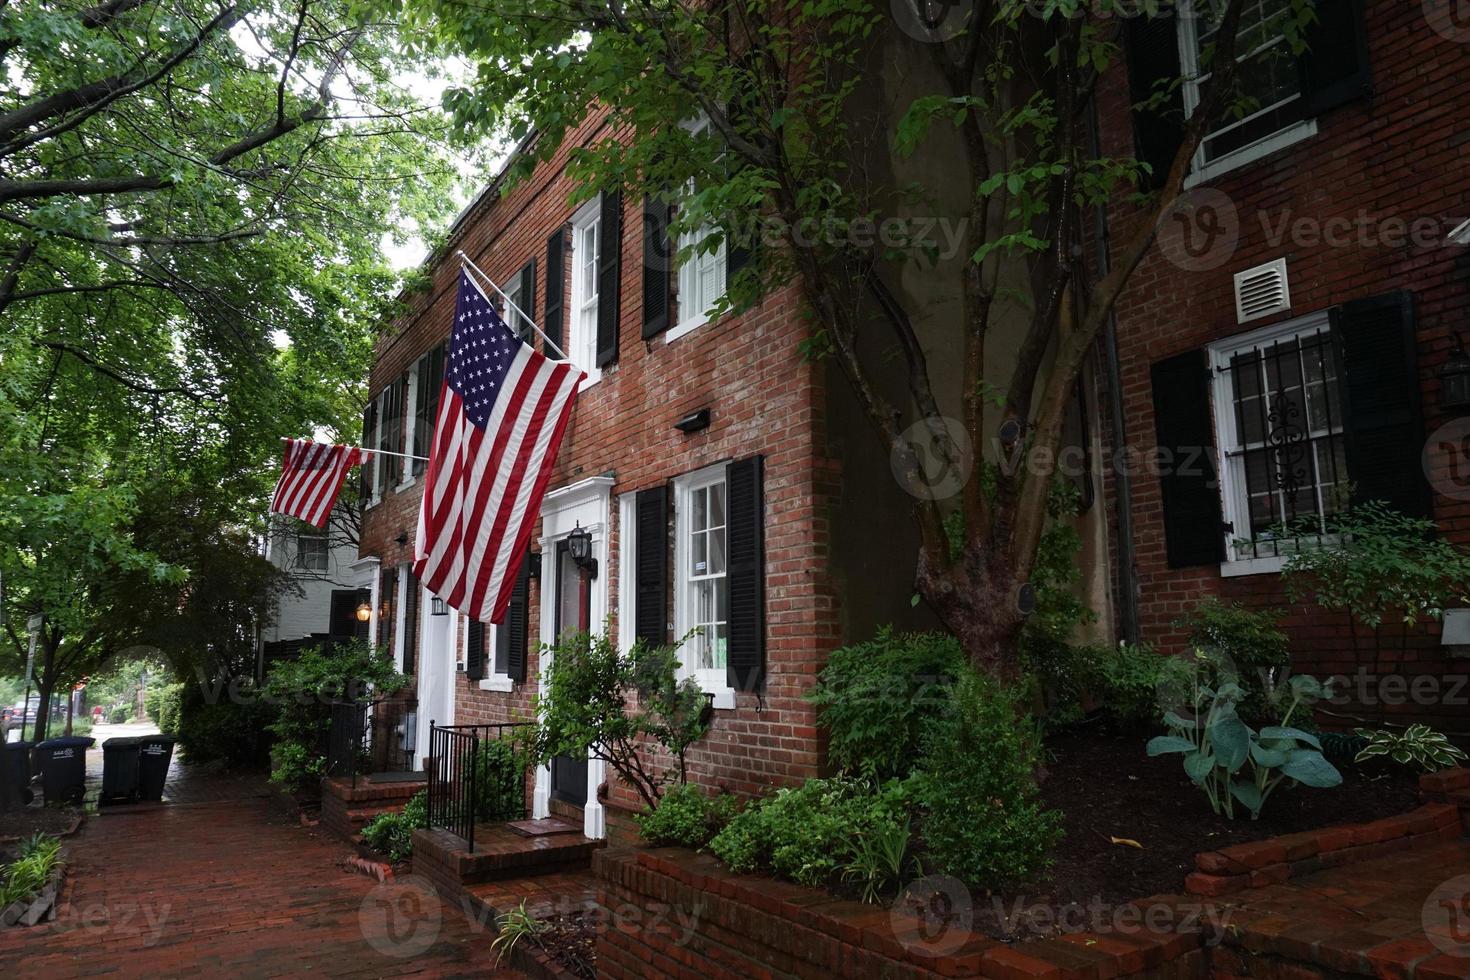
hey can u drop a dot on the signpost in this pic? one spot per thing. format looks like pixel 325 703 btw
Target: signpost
pixel 33 626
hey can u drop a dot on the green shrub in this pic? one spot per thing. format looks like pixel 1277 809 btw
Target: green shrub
pixel 811 833
pixel 232 730
pixel 685 818
pixel 392 833
pixel 119 715
pixel 500 778
pixel 167 715
pixel 303 690
pixel 983 821
pixel 874 698
pixel 1128 682
pixel 1244 646
pixel 25 876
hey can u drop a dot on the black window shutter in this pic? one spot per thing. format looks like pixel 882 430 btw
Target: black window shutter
pixel 609 276
pixel 658 266
pixel 387 603
pixel 410 623
pixel 516 622
pixel 1193 527
pixel 365 473
pixel 431 380
pixel 474 661
pixel 1152 46
pixel 746 655
pixel 1334 68
pixel 556 257
pixel 651 566
pixel 527 302
pixel 1382 423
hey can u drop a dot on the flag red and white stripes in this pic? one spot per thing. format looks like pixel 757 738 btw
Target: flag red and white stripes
pixel 502 414
pixel 311 477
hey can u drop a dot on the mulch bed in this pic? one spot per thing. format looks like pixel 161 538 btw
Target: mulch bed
pixel 21 822
pixel 1107 786
pixel 570 940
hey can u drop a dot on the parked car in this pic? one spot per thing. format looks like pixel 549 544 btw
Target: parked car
pixel 30 706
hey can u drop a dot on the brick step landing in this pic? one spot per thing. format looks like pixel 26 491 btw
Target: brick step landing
pixel 1404 916
pixel 346 808
pixel 499 854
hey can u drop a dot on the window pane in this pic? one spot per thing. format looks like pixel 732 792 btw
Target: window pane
pixel 699 554
pixel 699 520
pixel 502 650
pixel 717 505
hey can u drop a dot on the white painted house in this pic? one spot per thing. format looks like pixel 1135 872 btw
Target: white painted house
pixel 324 594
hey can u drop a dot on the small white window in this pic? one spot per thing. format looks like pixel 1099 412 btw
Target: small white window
pixel 1267 80
pixel 1279 424
pixel 702 598
pixel 582 337
pixel 701 270
pixel 311 552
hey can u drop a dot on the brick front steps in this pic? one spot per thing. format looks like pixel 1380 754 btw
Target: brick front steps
pixel 499 854
pixel 1362 900
pixel 347 808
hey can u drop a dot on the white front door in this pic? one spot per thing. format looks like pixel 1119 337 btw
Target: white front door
pixel 435 669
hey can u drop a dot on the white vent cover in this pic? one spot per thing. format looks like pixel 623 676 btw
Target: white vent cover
pixel 1261 291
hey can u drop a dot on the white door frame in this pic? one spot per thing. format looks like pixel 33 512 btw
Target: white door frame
pixel 585 503
pixel 434 665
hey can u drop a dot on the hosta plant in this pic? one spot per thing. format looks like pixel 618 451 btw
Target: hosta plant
pixel 1418 746
pixel 1236 764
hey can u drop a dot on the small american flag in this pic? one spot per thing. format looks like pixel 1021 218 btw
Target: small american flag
pixel 502 414
pixel 311 476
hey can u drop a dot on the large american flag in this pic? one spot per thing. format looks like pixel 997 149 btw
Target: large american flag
pixel 502 414
pixel 311 476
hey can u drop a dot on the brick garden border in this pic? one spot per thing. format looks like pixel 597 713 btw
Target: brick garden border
pixel 682 914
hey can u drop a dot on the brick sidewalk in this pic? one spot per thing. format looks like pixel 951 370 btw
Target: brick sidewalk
pixel 239 890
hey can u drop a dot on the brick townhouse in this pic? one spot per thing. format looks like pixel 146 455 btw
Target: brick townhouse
pixel 1297 325
pixel 698 459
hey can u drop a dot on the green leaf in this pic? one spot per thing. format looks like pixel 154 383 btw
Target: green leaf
pixel 1269 758
pixel 1232 741
pixel 1248 794
pixel 1198 766
pixel 1168 744
pixel 1309 768
pixel 1277 732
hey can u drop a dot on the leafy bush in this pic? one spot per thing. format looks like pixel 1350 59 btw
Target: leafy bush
pixel 1418 746
pixel 1128 680
pixel 685 818
pixel 983 821
pixel 874 698
pixel 303 690
pixel 1233 762
pixel 881 861
pixel 234 729
pixel 167 715
pixel 119 715
pixel 585 703
pixel 811 833
pixel 1244 646
pixel 392 833
pixel 500 777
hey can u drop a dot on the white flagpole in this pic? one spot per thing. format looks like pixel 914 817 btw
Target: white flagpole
pixel 509 302
pixel 380 452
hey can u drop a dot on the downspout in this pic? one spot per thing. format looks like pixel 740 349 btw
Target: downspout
pixel 1122 477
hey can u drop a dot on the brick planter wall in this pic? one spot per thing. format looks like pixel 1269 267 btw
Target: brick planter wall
pixel 345 808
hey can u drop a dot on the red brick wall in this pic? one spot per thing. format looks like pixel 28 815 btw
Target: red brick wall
pixel 764 399
pixel 1402 156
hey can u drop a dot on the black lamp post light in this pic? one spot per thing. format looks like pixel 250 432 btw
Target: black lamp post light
pixel 1454 380
pixel 579 546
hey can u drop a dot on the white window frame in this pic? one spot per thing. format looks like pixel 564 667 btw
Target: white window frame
pixel 712 681
pixel 693 264
pixel 326 552
pixel 1200 170
pixel 1234 498
pixel 581 315
pixel 409 410
pixel 493 680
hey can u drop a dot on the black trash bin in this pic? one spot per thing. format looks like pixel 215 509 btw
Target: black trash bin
pixel 63 763
pixel 15 774
pixel 119 769
pixel 154 753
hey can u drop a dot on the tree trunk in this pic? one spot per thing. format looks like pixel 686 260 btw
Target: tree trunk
pixel 978 604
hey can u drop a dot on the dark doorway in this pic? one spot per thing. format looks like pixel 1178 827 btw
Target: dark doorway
pixel 343 623
pixel 573 596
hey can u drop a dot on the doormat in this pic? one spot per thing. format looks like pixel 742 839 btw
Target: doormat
pixel 543 827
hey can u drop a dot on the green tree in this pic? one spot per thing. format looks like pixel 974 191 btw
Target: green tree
pixel 803 132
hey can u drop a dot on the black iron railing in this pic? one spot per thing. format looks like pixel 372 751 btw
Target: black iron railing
pixel 477 774
pixel 371 736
